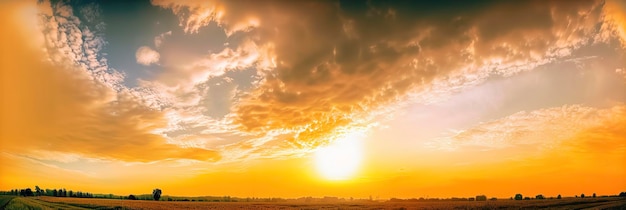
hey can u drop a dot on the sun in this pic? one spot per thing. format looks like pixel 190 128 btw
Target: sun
pixel 341 159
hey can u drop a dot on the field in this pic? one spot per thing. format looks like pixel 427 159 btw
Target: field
pixel 45 202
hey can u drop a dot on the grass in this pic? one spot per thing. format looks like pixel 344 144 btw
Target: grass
pixel 36 203
pixel 4 200
pixel 45 202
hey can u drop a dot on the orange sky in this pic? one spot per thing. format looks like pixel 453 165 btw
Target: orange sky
pixel 292 99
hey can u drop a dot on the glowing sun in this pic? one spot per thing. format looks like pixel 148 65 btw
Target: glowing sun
pixel 340 159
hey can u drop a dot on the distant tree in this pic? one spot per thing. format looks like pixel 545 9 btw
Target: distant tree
pixel 518 196
pixel 540 197
pixel 28 192
pixel 132 197
pixel 37 191
pixel 156 194
pixel 582 195
pixel 594 195
pixel 71 194
pixel 622 194
pixel 558 197
pixel 481 198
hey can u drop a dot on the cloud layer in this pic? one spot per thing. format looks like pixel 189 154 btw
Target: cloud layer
pixel 314 70
pixel 327 65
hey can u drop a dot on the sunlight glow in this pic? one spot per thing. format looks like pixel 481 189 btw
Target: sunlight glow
pixel 341 159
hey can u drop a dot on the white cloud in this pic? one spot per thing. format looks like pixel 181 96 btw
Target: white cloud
pixel 69 41
pixel 147 56
pixel 158 40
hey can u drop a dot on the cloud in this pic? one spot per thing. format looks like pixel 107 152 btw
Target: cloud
pixel 329 66
pixel 571 127
pixel 615 12
pixel 158 40
pixel 68 40
pixel 147 56
pixel 58 105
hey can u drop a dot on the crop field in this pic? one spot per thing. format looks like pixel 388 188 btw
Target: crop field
pixel 45 202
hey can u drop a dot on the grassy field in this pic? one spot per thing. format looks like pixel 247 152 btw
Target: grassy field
pixel 4 200
pixel 91 203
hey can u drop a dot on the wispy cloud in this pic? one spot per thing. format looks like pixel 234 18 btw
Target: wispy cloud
pixel 543 130
pixel 158 40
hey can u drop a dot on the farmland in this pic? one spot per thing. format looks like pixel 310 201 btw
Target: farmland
pixel 45 202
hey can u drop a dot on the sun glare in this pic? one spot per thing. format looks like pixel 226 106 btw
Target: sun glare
pixel 340 159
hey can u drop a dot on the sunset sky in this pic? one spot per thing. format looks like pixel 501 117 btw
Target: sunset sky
pixel 314 98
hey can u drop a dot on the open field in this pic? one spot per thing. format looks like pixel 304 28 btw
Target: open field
pixel 45 202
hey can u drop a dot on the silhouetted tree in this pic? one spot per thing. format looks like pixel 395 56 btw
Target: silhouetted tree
pixel 481 198
pixel 28 192
pixel 558 197
pixel 540 196
pixel 156 194
pixel 622 194
pixel 132 197
pixel 594 195
pixel 582 195
pixel 518 197
pixel 37 191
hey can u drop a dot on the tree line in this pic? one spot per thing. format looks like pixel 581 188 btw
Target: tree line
pixel 61 192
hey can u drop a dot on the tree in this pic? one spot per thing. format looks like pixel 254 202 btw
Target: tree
pixel 558 197
pixel 518 197
pixel 582 195
pixel 132 197
pixel 28 192
pixel 37 190
pixel 594 195
pixel 156 194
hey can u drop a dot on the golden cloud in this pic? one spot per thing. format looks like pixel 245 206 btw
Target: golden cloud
pixel 59 107
pixel 334 63
pixel 566 128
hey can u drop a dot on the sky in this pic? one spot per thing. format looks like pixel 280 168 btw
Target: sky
pixel 314 98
